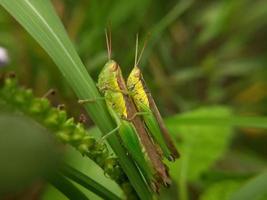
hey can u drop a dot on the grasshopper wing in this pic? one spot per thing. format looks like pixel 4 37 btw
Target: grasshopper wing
pixel 135 148
pixel 131 142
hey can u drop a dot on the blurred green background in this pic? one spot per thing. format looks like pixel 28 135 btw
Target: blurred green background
pixel 199 54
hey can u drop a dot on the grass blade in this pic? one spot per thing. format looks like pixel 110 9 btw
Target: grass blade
pixel 40 20
pixel 178 9
pixel 67 188
pixel 238 121
pixel 253 189
pixel 88 183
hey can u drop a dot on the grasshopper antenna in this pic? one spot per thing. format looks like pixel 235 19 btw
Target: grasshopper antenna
pixel 108 41
pixel 136 50
pixel 137 60
pixel 110 45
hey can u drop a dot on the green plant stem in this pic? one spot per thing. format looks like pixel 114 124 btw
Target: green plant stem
pixel 183 193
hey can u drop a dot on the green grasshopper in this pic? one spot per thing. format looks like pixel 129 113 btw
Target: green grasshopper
pixel 145 103
pixel 130 126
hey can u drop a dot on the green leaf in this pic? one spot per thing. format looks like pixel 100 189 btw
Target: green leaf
pixel 237 190
pixel 40 20
pixel 219 120
pixel 88 183
pixel 92 170
pixel 253 189
pixel 221 190
pixel 28 153
pixel 67 187
pixel 200 147
pixel 50 192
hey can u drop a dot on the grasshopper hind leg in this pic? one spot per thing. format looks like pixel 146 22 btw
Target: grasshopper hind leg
pixel 93 100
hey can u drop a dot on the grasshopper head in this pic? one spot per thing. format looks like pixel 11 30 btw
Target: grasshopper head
pixel 133 78
pixel 107 77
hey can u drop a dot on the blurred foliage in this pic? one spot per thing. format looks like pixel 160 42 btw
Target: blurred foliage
pixel 221 190
pixel 194 137
pixel 14 98
pixel 200 147
pixel 252 189
pixel 201 53
pixel 27 152
pixel 211 52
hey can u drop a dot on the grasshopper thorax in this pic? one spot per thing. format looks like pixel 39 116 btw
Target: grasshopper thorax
pixel 134 78
pixel 109 87
pixel 107 76
pixel 136 87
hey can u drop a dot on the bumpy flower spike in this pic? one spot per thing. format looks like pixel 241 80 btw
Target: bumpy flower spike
pixel 65 129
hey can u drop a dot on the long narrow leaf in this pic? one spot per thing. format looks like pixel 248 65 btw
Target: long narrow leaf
pixel 177 10
pixel 239 121
pixel 40 20
pixel 88 183
pixel 67 188
pixel 253 189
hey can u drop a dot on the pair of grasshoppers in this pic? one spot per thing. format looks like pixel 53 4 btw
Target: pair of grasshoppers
pixel 139 123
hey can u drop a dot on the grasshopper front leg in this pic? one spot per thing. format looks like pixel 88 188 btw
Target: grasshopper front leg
pixel 110 133
pixel 93 100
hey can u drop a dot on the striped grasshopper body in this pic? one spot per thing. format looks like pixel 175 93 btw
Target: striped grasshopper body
pixel 145 103
pixel 131 128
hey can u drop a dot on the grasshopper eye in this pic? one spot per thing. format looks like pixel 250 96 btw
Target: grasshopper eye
pixel 131 87
pixel 137 74
pixel 114 68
